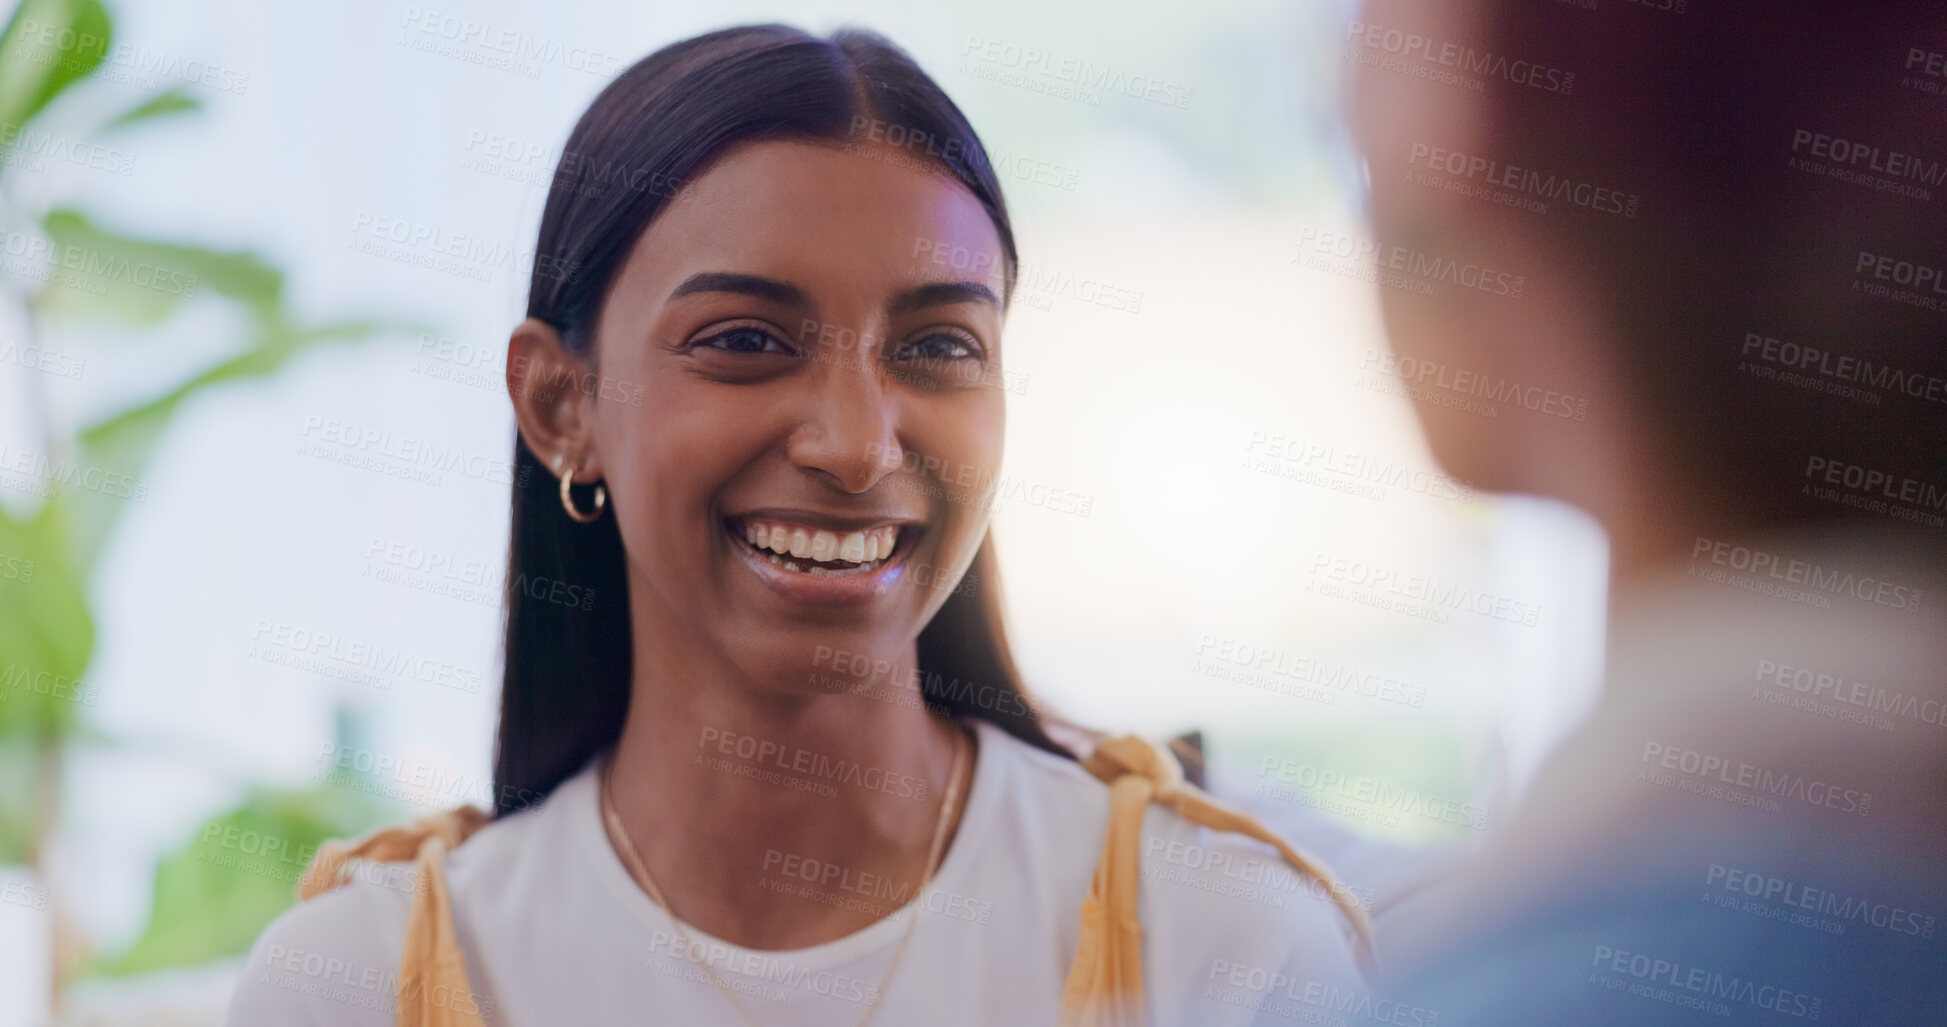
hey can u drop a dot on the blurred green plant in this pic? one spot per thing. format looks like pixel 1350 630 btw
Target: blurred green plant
pixel 73 273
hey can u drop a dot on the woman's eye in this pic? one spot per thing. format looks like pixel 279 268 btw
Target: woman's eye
pixel 745 340
pixel 939 346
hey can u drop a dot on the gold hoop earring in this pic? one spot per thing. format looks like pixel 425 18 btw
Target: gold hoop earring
pixel 568 502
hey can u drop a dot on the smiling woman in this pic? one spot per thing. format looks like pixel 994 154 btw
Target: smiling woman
pixel 786 751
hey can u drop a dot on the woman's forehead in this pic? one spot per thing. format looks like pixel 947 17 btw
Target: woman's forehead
pixel 814 211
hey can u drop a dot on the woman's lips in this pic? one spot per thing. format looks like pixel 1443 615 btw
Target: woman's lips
pixel 812 564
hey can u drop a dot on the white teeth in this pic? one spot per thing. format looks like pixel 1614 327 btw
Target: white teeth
pixel 862 548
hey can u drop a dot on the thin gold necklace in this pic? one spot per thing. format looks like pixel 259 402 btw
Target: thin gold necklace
pixel 641 873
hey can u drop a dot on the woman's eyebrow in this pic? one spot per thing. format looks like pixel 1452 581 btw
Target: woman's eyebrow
pixel 932 294
pixel 939 294
pixel 782 293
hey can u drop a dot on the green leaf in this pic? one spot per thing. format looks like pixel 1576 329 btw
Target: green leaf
pixel 47 46
pixel 47 635
pixel 96 272
pixel 173 101
pixel 19 802
pixel 121 444
pixel 235 873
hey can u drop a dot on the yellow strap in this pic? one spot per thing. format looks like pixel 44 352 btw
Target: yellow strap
pixel 1105 983
pixel 433 990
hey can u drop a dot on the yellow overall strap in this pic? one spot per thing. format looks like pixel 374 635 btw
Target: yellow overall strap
pixel 433 989
pixel 1105 983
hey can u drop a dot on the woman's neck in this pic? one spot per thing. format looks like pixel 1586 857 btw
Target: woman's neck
pixel 774 820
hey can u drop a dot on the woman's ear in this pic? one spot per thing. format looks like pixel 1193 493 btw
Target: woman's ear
pixel 554 412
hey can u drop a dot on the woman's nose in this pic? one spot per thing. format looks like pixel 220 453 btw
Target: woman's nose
pixel 848 431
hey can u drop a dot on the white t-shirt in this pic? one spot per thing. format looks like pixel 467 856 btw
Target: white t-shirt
pixel 555 931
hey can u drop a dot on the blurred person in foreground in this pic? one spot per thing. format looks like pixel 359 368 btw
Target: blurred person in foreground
pixel 1730 222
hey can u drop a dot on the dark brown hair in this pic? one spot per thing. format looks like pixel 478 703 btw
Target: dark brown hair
pixel 565 690
pixel 1712 116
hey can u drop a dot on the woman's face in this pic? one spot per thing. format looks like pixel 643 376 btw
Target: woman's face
pixel 816 333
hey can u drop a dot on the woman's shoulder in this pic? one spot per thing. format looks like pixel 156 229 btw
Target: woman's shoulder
pixel 1211 902
pixel 334 958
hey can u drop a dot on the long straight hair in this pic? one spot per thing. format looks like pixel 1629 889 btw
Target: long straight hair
pixel 569 654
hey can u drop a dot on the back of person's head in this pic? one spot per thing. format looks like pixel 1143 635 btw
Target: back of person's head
pixel 1745 208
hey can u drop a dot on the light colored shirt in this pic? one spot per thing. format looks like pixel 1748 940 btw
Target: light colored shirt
pixel 556 931
pixel 1752 827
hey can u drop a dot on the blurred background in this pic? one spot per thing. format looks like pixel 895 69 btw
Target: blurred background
pixel 260 264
